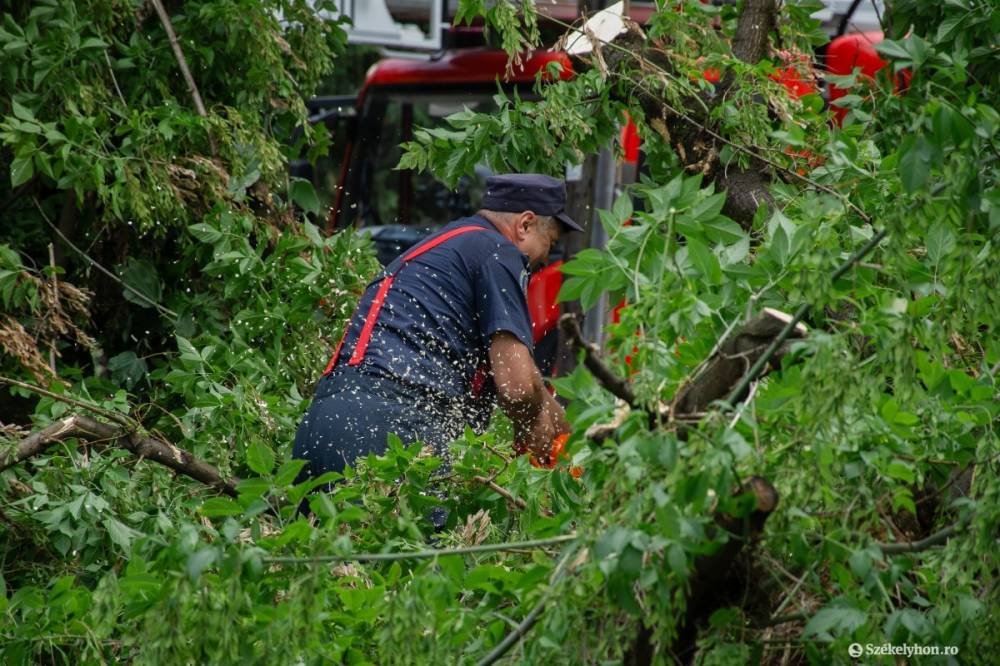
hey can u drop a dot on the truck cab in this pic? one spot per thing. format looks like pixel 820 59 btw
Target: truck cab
pixel 361 187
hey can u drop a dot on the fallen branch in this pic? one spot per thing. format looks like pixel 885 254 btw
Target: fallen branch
pixel 728 365
pixel 605 376
pixel 424 554
pixel 515 502
pixel 709 576
pixel 150 448
pixel 939 538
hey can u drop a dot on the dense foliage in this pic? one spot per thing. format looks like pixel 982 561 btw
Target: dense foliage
pixel 878 429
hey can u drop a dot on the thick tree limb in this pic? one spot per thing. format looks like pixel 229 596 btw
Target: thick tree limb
pixel 149 448
pixel 707 586
pixel 758 19
pixel 733 359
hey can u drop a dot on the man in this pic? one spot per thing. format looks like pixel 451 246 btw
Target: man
pixel 442 335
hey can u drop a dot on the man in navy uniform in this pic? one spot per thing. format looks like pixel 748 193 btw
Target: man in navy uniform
pixel 442 335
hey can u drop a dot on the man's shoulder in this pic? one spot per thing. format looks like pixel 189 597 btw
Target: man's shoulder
pixel 486 242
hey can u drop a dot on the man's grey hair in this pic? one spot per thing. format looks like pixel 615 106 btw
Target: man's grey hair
pixel 545 222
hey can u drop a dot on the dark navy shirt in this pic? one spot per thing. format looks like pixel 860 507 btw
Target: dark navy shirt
pixel 435 325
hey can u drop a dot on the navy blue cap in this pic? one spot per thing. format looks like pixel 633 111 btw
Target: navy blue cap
pixel 518 192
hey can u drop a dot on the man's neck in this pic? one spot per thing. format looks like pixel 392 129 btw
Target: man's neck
pixel 503 227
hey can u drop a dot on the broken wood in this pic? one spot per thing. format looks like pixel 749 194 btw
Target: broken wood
pixel 704 594
pixel 733 359
pixel 607 377
pixel 145 447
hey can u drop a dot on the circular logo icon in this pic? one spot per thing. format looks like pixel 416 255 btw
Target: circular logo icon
pixel 854 649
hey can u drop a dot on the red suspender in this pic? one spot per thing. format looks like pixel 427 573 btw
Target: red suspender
pixel 366 331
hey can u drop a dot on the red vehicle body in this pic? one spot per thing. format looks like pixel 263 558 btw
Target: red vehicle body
pixel 400 207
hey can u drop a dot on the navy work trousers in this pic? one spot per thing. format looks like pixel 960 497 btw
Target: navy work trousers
pixel 352 414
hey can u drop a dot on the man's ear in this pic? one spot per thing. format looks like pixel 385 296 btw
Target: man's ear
pixel 524 222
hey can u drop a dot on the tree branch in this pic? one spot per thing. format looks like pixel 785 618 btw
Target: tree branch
pixel 150 448
pixel 168 27
pixel 605 376
pixel 106 413
pixel 424 554
pixel 937 539
pixel 175 44
pixel 515 502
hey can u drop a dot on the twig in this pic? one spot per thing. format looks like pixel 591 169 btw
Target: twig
pixel 936 539
pixel 114 79
pixel 162 310
pixel 529 620
pixel 106 413
pixel 55 299
pixel 168 27
pixel 505 459
pixel 515 502
pixel 618 386
pixel 424 554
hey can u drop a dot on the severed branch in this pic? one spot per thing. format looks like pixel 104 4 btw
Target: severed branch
pixel 733 358
pixel 150 448
pixel 513 502
pixel 939 538
pixel 607 378
pixel 714 380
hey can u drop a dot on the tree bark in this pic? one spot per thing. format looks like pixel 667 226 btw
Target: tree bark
pixel 149 448
pixel 732 359
pixel 687 130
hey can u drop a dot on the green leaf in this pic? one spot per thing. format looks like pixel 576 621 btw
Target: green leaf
pixel 835 620
pixel 288 472
pixel 187 350
pixel 705 261
pixel 21 170
pixel 200 560
pixel 121 534
pixel 304 196
pixel 140 276
pixel 915 163
pixel 206 233
pixel 22 112
pixel 940 242
pixel 93 43
pixel 893 50
pixel 260 458
pixel 127 369
pixel 218 507
pixel 312 233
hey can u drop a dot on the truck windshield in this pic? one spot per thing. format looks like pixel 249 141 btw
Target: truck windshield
pixel 376 193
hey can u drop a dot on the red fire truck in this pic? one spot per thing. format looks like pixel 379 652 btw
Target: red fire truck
pixel 361 186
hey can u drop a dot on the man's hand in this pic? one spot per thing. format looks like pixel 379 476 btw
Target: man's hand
pixel 536 415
